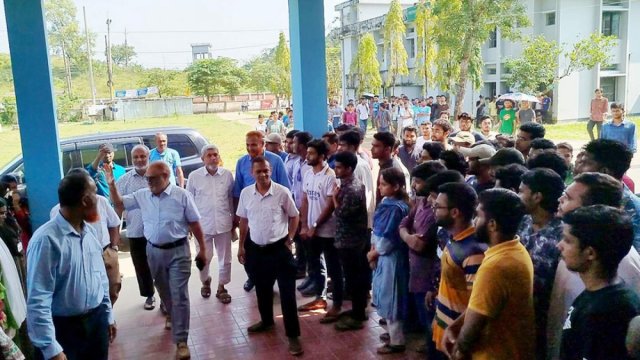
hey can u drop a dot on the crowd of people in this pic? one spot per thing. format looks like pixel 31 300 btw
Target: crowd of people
pixel 490 244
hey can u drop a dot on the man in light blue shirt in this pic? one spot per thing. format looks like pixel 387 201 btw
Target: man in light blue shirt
pixel 68 308
pixel 169 156
pixel 619 128
pixel 168 214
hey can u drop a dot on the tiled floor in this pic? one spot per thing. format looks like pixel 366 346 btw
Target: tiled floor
pixel 219 331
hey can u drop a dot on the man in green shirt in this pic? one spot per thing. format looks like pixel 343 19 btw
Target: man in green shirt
pixel 506 124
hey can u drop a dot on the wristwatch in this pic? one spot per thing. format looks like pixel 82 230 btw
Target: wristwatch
pixel 315 225
pixel 114 247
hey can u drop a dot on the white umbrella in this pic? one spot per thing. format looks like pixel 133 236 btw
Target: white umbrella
pixel 519 97
pixel 368 95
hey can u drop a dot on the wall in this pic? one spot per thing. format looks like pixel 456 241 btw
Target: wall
pixel 146 108
pixel 633 70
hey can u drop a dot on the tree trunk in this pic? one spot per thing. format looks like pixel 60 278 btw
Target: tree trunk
pixel 206 106
pixel 67 70
pixel 461 84
pixel 277 102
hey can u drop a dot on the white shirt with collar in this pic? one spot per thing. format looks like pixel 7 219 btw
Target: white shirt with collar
pixel 213 195
pixel 108 219
pixel 268 215
pixel 166 217
pixel 127 184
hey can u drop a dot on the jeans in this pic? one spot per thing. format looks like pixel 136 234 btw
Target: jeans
pixel 363 124
pixel 590 126
pixel 266 265
pixel 83 336
pixel 336 121
pixel 318 247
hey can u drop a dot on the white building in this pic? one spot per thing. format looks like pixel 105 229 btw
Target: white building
pixel 564 21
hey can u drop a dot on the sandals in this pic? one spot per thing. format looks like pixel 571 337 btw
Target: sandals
pixel 391 349
pixel 223 296
pixel 205 290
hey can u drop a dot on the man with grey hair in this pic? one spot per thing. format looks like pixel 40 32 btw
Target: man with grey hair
pixel 168 213
pixel 212 189
pixel 169 156
pixel 129 183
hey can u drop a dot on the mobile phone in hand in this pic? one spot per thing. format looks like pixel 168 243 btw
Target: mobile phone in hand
pixel 199 264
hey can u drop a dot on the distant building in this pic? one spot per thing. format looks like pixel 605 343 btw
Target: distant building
pixel 564 21
pixel 201 51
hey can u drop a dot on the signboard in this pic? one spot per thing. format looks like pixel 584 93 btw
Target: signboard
pixel 410 14
pixel 132 93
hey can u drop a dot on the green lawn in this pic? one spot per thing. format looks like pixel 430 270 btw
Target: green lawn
pixel 228 135
pixel 573 130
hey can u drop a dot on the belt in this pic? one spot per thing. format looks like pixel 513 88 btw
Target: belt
pixel 171 245
pixel 270 246
pixel 80 317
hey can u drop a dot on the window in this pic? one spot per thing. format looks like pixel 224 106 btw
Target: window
pixel 490 89
pixel 505 69
pixel 613 2
pixel 381 54
pixel 550 18
pixel 490 69
pixel 411 30
pixel 609 87
pixel 611 23
pixel 610 67
pixel 178 142
pixel 493 38
pixel 410 45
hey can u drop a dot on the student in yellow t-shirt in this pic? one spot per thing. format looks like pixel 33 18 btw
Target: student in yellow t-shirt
pixel 499 320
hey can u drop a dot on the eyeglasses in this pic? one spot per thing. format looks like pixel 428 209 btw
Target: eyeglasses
pixel 436 207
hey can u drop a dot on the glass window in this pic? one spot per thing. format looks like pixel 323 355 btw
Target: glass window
pixel 611 23
pixel 490 69
pixel 179 142
pixel 609 86
pixel 550 18
pixel 411 48
pixel 493 38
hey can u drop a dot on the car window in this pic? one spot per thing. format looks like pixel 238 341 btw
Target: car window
pixel 179 142
pixel 89 150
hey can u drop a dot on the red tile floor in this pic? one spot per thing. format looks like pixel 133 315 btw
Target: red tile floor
pixel 219 331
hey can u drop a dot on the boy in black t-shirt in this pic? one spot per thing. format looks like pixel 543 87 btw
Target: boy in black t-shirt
pixel 595 239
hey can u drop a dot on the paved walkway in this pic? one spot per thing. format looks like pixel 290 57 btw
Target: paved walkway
pixel 220 331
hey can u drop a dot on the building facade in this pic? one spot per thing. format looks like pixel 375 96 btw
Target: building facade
pixel 565 21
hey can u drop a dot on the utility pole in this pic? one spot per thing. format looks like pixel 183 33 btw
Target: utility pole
pixel 126 58
pixel 109 65
pixel 86 34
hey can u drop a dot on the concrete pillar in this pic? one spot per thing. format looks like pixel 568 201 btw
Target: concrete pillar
pixel 308 65
pixel 36 104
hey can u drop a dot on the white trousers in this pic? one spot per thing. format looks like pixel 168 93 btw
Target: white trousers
pixel 222 244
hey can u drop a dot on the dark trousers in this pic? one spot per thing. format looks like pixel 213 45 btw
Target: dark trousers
pixel 590 125
pixel 319 246
pixel 266 265
pixel 301 253
pixel 356 274
pixel 139 258
pixel 84 336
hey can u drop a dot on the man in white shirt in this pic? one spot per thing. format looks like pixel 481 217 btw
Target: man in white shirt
pixel 127 184
pixel 363 113
pixel 268 221
pixel 212 190
pixel 319 229
pixel 168 214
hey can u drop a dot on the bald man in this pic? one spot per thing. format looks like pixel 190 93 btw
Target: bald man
pixel 168 214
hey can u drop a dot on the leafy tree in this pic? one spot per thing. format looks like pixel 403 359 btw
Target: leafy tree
pixel 221 75
pixel 394 34
pixel 425 36
pixel 365 66
pixel 261 71
pixel 6 75
pixel 163 79
pixel 462 28
pixel 334 70
pixel 122 54
pixel 65 38
pixel 538 68
pixel 282 61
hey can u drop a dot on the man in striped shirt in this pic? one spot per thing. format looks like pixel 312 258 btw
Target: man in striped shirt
pixel 454 208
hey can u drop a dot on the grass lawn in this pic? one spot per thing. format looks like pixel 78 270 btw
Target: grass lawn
pixel 228 135
pixel 574 130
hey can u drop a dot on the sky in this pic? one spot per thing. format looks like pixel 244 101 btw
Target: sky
pixel 162 31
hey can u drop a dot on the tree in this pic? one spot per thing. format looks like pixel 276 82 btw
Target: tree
pixel 65 38
pixel 538 68
pixel 282 61
pixel 365 66
pixel 261 71
pixel 459 57
pixel 221 75
pixel 334 70
pixel 425 36
pixel 394 35
pixel 162 79
pixel 122 54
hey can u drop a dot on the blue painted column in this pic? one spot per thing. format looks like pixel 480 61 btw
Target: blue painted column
pixel 36 104
pixel 308 65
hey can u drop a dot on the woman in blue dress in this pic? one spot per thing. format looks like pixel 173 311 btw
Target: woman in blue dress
pixel 389 258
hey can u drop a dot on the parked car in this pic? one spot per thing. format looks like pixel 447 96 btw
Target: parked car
pixel 81 151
